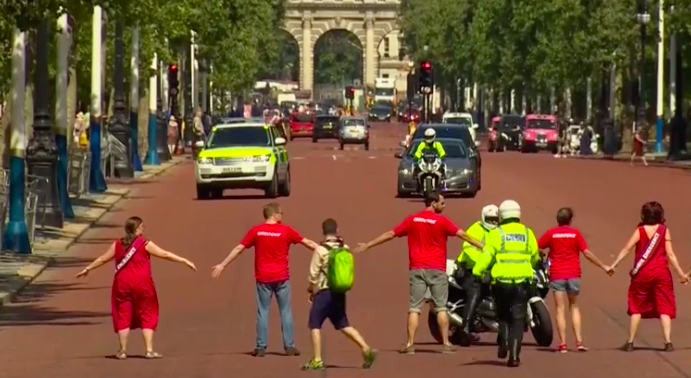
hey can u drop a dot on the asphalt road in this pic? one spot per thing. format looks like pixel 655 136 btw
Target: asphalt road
pixel 61 327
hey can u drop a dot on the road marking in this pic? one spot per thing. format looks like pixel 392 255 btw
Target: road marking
pixel 299 158
pixel 372 157
pixel 333 156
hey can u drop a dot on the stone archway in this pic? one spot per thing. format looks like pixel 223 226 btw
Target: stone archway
pixel 338 58
pixel 287 64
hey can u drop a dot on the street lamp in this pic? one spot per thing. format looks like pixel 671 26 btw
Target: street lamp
pixel 643 18
pixel 119 122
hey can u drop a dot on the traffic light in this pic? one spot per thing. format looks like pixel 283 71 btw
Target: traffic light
pixel 173 82
pixel 426 75
pixel 412 86
pixel 349 93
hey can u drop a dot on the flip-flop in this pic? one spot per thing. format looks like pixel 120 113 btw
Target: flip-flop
pixel 121 356
pixel 153 356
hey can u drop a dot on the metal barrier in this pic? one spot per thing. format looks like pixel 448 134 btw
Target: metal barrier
pixel 4 201
pixel 78 171
pixel 112 150
pixel 32 213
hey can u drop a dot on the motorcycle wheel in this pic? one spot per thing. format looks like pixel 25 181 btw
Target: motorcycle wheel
pixel 542 331
pixel 454 331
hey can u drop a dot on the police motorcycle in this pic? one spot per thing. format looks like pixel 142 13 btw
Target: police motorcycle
pixel 429 176
pixel 538 319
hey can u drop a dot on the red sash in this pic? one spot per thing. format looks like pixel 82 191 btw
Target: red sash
pixel 137 243
pixel 650 249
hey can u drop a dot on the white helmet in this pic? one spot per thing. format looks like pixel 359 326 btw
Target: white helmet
pixel 489 211
pixel 509 209
pixel 430 134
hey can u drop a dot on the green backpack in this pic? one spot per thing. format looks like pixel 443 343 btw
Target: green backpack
pixel 340 272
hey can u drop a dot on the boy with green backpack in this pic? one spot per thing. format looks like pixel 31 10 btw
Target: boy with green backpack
pixel 330 277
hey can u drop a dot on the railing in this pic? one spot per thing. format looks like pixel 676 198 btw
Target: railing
pixel 78 171
pixel 112 150
pixel 35 190
pixel 4 201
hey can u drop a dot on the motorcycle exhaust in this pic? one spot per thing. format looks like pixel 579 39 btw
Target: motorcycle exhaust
pixel 455 319
pixel 492 325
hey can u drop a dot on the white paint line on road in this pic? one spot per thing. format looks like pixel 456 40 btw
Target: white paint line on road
pixel 298 158
pixel 372 157
pixel 333 156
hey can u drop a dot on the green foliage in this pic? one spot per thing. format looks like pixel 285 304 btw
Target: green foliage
pixel 337 58
pixel 238 38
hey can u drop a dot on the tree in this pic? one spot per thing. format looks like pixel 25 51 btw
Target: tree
pixel 338 58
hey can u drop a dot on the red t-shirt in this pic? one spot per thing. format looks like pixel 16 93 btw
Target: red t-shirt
pixel 427 232
pixel 565 244
pixel 271 242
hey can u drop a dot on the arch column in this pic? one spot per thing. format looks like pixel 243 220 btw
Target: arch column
pixel 306 54
pixel 370 51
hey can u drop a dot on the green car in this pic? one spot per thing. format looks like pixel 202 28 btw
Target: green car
pixel 243 156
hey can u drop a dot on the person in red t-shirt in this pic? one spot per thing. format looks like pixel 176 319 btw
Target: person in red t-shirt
pixel 271 241
pixel 427 232
pixel 565 244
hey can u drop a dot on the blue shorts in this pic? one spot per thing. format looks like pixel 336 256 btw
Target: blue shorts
pixel 571 286
pixel 328 305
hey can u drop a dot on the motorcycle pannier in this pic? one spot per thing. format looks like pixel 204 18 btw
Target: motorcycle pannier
pixel 341 270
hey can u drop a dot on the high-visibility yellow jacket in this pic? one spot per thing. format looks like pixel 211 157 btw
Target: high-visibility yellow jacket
pixel 513 248
pixel 470 254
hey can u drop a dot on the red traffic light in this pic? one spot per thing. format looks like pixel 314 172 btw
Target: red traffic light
pixel 351 90
pixel 173 67
pixel 426 65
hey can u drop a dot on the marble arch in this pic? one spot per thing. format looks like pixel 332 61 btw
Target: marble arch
pixel 369 20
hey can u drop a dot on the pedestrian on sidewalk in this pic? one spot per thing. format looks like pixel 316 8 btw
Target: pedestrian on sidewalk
pixel 638 150
pixel 329 304
pixel 651 291
pixel 271 241
pixel 134 301
pixel 427 232
pixel 173 134
pixel 565 244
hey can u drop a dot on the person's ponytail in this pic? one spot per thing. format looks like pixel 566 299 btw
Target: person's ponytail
pixel 131 226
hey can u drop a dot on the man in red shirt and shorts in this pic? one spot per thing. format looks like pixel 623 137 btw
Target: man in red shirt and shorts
pixel 271 241
pixel 427 232
pixel 565 244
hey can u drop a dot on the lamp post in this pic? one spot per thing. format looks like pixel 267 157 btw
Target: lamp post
pixel 42 152
pixel 660 78
pixel 643 18
pixel 134 101
pixel 119 122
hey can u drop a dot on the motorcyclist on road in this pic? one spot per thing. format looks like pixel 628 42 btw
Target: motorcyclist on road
pixel 466 261
pixel 513 248
pixel 429 144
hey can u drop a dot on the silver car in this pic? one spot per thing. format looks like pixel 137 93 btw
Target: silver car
pixel 462 170
pixel 354 130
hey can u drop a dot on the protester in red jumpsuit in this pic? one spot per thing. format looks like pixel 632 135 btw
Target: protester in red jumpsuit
pixel 134 301
pixel 651 292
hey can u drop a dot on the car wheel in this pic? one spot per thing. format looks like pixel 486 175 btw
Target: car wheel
pixel 314 139
pixel 284 187
pixel 216 193
pixel 271 190
pixel 367 146
pixel 341 146
pixel 202 192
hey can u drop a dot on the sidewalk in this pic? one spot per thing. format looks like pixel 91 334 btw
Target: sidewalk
pixel 654 160
pixel 18 271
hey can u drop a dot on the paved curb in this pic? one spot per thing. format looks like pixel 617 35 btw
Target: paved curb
pixel 45 252
pixel 652 161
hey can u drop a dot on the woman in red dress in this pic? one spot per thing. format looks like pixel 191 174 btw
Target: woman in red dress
pixel 651 292
pixel 638 148
pixel 134 301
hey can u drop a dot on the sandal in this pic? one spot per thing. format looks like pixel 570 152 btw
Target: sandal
pixel 152 355
pixel 581 347
pixel 562 348
pixel 121 355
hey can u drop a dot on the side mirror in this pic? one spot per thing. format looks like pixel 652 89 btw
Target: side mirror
pixel 398 155
pixel 402 144
pixel 280 141
pixel 477 143
pixel 475 126
pixel 199 144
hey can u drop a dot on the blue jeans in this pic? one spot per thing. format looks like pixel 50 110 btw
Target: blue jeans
pixel 265 290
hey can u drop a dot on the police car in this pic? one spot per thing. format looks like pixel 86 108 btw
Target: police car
pixel 243 156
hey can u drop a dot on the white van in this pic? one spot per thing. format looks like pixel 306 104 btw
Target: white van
pixel 462 119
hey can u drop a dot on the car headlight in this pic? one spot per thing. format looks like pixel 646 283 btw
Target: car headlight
pixel 261 158
pixel 463 172
pixel 405 172
pixel 204 160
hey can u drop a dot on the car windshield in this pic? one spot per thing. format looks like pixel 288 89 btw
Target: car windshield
pixel 381 108
pixel 454 150
pixel 239 137
pixel 323 120
pixel 458 121
pixel 353 122
pixel 452 132
pixel 383 91
pixel 542 124
pixel 303 117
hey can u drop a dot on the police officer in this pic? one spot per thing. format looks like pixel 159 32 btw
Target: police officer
pixel 514 249
pixel 472 285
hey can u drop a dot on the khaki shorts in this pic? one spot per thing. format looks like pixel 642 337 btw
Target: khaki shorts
pixel 433 280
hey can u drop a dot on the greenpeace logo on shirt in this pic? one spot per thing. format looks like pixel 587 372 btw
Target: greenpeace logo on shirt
pixel 515 238
pixel 564 236
pixel 271 234
pixel 424 220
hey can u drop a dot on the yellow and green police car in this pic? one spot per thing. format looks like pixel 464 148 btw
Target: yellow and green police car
pixel 243 156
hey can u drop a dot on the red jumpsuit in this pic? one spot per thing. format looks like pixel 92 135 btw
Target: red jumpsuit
pixel 134 301
pixel 651 292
